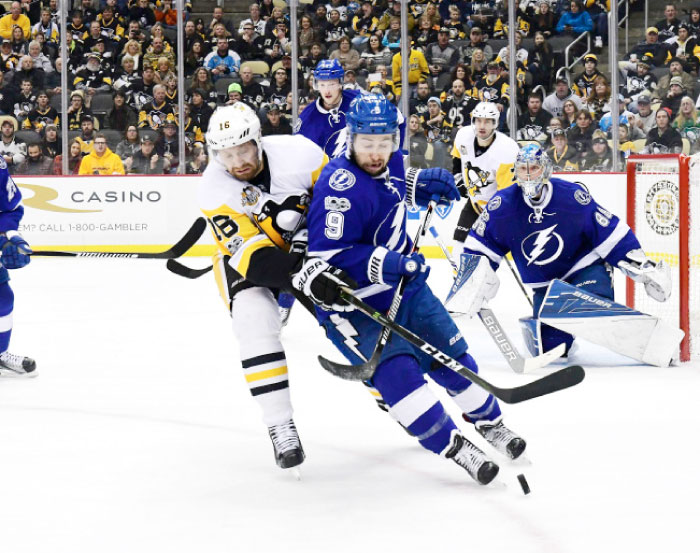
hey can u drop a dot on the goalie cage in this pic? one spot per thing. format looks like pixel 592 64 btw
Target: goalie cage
pixel 663 201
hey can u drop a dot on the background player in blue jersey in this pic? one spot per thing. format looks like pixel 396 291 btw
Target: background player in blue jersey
pixel 323 122
pixel 555 230
pixel 357 223
pixel 14 254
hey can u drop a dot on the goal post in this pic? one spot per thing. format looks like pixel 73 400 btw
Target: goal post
pixel 663 200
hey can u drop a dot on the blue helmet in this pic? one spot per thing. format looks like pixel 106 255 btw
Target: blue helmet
pixel 532 157
pixel 327 70
pixel 353 8
pixel 372 114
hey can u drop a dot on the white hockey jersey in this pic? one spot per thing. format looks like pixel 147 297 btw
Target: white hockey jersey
pixel 489 172
pixel 269 210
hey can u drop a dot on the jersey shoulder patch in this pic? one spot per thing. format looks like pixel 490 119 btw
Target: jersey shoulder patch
pixel 341 180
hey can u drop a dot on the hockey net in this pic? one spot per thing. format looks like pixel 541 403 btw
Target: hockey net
pixel 663 200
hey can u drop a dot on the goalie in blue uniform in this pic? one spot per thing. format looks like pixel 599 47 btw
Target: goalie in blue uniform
pixel 565 246
pixel 14 254
pixel 357 231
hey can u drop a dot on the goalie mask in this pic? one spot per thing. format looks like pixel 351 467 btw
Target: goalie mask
pixel 532 170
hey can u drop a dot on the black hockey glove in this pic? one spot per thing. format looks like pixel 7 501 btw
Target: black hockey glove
pixel 321 283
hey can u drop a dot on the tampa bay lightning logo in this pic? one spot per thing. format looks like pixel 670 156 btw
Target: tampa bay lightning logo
pixel 341 179
pixel 543 246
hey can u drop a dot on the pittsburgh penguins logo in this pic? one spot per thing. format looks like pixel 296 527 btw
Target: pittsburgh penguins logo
pixel 477 177
pixel 542 247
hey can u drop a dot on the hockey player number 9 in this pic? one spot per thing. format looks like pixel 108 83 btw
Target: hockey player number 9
pixel 334 225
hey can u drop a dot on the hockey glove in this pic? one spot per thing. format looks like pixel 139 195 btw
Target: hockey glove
pixel 656 277
pixel 423 184
pixel 387 267
pixel 461 185
pixel 321 283
pixel 14 249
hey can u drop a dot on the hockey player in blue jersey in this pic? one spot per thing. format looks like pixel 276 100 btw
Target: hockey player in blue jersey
pixel 555 230
pixel 14 254
pixel 357 224
pixel 323 122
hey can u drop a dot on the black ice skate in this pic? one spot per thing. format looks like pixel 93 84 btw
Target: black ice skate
pixel 501 437
pixel 471 458
pixel 285 441
pixel 16 365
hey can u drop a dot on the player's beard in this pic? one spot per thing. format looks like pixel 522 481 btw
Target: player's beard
pixel 370 167
pixel 246 171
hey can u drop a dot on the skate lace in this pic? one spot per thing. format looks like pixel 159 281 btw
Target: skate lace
pixel 284 436
pixel 470 457
pixel 11 360
pixel 498 435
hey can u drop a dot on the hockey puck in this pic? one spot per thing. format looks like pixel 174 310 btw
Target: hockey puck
pixel 523 484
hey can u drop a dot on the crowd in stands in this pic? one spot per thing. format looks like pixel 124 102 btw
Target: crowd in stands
pixel 122 70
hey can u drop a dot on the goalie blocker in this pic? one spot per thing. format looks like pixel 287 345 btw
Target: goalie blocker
pixel 606 323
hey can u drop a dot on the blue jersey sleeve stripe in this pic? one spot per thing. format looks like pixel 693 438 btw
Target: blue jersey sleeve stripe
pixel 613 239
pixel 474 245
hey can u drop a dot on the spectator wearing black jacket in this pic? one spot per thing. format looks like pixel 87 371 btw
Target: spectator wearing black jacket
pixel 533 122
pixel 275 123
pixel 121 116
pixel 663 139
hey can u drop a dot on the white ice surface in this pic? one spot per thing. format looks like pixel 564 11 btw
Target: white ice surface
pixel 139 435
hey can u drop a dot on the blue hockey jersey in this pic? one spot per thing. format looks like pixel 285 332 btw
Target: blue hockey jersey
pixel 11 209
pixel 326 128
pixel 566 233
pixel 351 214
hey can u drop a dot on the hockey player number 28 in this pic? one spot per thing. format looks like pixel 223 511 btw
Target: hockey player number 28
pixel 334 225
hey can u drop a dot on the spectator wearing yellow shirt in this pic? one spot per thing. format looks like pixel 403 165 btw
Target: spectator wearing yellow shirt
pixel 15 19
pixel 418 70
pixel 101 161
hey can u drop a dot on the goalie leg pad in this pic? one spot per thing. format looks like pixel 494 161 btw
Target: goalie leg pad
pixel 531 334
pixel 609 324
pixel 476 283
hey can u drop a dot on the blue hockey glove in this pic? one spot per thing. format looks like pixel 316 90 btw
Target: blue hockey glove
pixel 426 183
pixel 14 250
pixel 413 267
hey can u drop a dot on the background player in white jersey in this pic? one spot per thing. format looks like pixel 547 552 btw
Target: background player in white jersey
pixel 483 161
pixel 564 243
pixel 255 195
pixel 14 254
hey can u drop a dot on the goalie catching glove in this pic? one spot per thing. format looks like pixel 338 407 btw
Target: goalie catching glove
pixel 424 185
pixel 14 249
pixel 321 283
pixel 475 284
pixel 656 277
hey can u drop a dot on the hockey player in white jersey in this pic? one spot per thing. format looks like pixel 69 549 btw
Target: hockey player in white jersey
pixel 255 195
pixel 564 245
pixel 14 254
pixel 483 161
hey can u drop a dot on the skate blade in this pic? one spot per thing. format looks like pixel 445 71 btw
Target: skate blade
pixel 12 374
pixel 296 473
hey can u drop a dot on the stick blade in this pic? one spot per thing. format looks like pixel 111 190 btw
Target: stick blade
pixel 186 242
pixel 184 271
pixel 354 373
pixel 534 363
pixel 559 380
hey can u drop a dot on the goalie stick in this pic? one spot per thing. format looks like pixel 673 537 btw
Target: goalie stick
pixel 517 362
pixel 177 250
pixel 559 380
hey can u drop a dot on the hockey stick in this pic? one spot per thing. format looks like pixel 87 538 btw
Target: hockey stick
pixel 559 380
pixel 179 249
pixel 184 271
pixel 369 366
pixel 517 362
